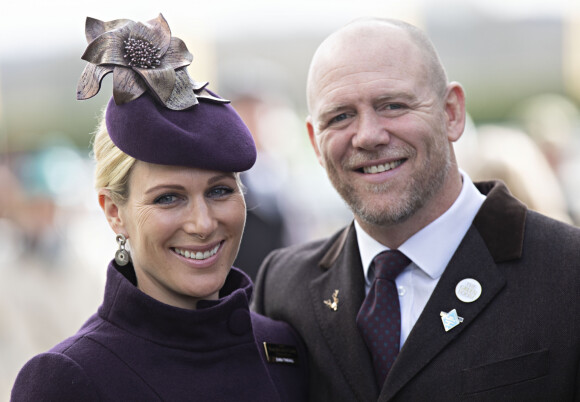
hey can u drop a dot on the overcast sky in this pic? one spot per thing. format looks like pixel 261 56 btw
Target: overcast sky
pixel 48 26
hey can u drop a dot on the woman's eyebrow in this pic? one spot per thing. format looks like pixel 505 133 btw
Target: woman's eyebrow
pixel 165 187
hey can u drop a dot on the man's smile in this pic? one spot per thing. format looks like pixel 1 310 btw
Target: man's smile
pixel 382 167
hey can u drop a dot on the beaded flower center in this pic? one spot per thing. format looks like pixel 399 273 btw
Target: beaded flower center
pixel 141 53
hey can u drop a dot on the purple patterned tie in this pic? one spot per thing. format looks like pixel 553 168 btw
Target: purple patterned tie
pixel 379 318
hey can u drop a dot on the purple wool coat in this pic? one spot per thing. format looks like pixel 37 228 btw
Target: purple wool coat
pixel 137 348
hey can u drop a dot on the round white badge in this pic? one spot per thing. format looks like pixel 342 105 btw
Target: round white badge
pixel 468 290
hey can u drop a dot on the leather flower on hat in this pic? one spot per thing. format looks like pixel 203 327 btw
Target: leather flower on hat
pixel 141 56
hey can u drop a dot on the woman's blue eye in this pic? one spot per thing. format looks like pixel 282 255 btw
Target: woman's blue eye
pixel 165 199
pixel 221 191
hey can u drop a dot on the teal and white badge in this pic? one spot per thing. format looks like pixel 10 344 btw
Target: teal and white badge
pixel 450 319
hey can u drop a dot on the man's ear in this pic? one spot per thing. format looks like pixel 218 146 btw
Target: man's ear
pixel 455 111
pixel 112 212
pixel 312 136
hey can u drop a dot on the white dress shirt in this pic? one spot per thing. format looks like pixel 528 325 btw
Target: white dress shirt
pixel 430 250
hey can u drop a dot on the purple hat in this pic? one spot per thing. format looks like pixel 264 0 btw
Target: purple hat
pixel 208 135
pixel 158 113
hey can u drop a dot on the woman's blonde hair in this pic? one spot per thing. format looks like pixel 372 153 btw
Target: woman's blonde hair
pixel 113 166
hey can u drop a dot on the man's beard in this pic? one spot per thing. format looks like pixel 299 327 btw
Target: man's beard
pixel 419 189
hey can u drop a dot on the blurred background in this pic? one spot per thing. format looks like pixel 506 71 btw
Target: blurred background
pixel 518 60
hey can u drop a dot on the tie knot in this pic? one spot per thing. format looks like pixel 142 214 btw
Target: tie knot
pixel 389 264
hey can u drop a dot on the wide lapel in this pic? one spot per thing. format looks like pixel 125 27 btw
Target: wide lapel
pixel 428 337
pixel 344 273
pixel 495 236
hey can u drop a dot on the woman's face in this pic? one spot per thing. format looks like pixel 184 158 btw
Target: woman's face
pixel 184 227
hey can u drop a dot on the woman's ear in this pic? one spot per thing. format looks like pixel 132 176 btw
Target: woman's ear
pixel 112 212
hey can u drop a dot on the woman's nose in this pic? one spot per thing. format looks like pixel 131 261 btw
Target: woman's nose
pixel 200 221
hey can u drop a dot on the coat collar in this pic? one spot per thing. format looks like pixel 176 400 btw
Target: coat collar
pixel 501 221
pixel 219 323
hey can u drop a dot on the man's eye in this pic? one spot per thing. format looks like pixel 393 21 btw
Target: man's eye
pixel 338 118
pixel 165 199
pixel 394 106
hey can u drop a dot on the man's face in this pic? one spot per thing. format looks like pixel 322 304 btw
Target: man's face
pixel 379 128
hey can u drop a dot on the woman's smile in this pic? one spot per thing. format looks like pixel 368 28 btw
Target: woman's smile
pixel 199 254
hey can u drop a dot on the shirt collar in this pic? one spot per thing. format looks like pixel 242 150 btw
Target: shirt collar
pixel 442 236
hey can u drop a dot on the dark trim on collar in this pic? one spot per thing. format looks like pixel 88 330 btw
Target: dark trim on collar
pixel 501 221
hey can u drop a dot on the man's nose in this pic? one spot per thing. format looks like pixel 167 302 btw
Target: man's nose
pixel 370 131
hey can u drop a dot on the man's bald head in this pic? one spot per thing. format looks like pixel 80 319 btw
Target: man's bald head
pixel 374 35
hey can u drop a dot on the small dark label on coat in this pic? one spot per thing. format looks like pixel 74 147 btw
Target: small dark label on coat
pixel 280 354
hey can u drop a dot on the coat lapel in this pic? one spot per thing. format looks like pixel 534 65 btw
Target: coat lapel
pixel 343 272
pixel 428 337
pixel 495 236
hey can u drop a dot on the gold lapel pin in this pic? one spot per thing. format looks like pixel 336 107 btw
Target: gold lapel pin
pixel 333 305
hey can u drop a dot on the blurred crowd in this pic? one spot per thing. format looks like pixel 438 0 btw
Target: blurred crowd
pixel 55 243
pixel 536 152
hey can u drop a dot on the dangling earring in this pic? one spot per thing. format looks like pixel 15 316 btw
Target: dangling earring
pixel 122 256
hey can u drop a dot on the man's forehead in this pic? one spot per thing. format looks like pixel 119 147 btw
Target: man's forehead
pixel 364 67
pixel 357 43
